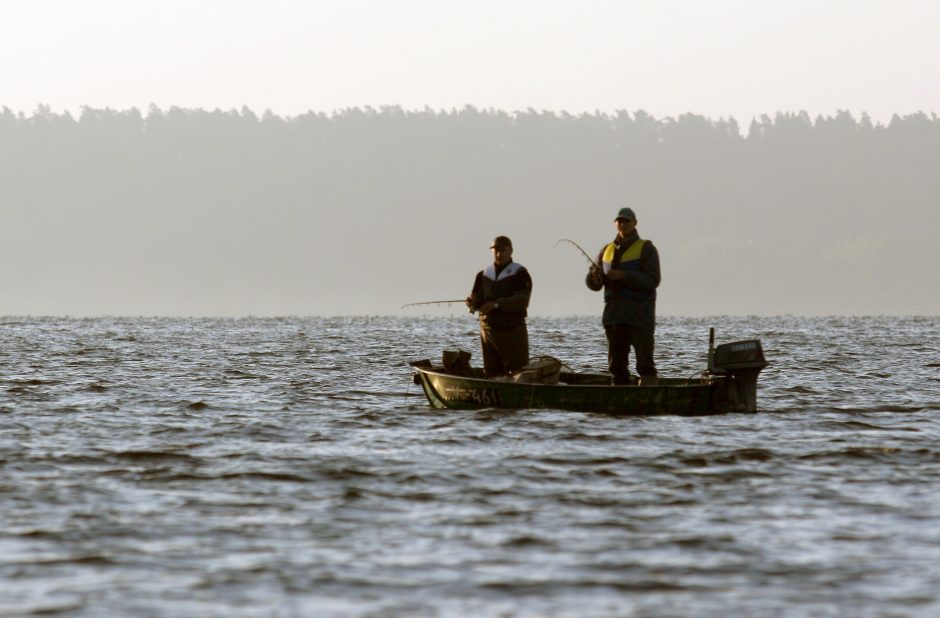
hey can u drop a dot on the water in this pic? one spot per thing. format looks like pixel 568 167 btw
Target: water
pixel 170 467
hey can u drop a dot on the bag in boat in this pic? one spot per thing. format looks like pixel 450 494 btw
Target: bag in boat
pixel 542 370
pixel 457 362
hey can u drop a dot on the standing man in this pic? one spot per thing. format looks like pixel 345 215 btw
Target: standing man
pixel 629 274
pixel 501 294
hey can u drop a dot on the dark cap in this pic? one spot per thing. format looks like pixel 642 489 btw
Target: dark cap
pixel 501 241
pixel 625 213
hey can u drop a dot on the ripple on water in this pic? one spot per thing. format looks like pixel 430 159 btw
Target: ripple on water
pixel 169 467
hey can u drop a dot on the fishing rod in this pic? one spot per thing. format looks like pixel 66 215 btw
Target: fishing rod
pixel 435 302
pixel 583 252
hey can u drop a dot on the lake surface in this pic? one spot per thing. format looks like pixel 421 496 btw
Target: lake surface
pixel 289 467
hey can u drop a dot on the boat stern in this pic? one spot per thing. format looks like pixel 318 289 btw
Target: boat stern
pixel 740 363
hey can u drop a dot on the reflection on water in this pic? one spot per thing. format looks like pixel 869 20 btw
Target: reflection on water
pixel 160 467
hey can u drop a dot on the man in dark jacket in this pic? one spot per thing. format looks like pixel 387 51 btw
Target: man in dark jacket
pixel 628 270
pixel 501 294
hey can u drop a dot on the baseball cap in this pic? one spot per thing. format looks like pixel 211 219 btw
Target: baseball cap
pixel 625 213
pixel 501 241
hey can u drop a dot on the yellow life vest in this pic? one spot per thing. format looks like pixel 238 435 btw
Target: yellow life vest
pixel 632 254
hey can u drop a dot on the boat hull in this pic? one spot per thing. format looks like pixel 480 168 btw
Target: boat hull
pixel 697 397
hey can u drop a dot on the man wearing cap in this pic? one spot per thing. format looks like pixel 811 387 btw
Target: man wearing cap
pixel 501 294
pixel 628 270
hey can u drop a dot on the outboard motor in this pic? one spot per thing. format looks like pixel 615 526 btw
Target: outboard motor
pixel 740 362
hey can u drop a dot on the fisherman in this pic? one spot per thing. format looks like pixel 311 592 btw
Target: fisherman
pixel 501 294
pixel 628 270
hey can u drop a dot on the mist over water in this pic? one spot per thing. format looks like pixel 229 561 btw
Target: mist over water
pixel 230 213
pixel 259 467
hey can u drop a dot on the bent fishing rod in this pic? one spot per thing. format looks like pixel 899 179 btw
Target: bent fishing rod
pixel 583 252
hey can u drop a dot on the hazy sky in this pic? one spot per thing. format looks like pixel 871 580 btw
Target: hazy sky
pixel 718 58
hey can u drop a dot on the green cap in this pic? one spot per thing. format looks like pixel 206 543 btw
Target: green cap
pixel 625 213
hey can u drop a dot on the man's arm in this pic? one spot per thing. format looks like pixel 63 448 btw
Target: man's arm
pixel 475 298
pixel 595 276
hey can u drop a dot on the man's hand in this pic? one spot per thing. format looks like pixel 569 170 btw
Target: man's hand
pixel 488 306
pixel 597 276
pixel 617 275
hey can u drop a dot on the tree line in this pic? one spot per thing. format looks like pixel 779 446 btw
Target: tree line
pixel 793 201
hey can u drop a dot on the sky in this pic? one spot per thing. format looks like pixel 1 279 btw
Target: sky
pixel 721 58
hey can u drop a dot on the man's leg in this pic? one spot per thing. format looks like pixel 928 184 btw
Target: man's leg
pixel 511 347
pixel 618 353
pixel 492 365
pixel 643 343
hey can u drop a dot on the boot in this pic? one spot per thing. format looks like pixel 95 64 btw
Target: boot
pixel 621 380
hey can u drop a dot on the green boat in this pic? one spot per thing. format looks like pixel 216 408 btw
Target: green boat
pixel 729 384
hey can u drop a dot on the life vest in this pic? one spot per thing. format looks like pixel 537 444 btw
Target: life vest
pixel 495 286
pixel 511 269
pixel 629 261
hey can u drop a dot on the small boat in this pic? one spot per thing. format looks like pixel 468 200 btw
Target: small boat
pixel 728 384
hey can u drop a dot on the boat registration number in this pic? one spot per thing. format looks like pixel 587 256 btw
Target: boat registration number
pixel 482 396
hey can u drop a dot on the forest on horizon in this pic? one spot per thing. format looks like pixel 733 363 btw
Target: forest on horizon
pixel 358 211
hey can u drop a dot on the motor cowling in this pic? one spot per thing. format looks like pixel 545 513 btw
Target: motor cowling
pixel 738 355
